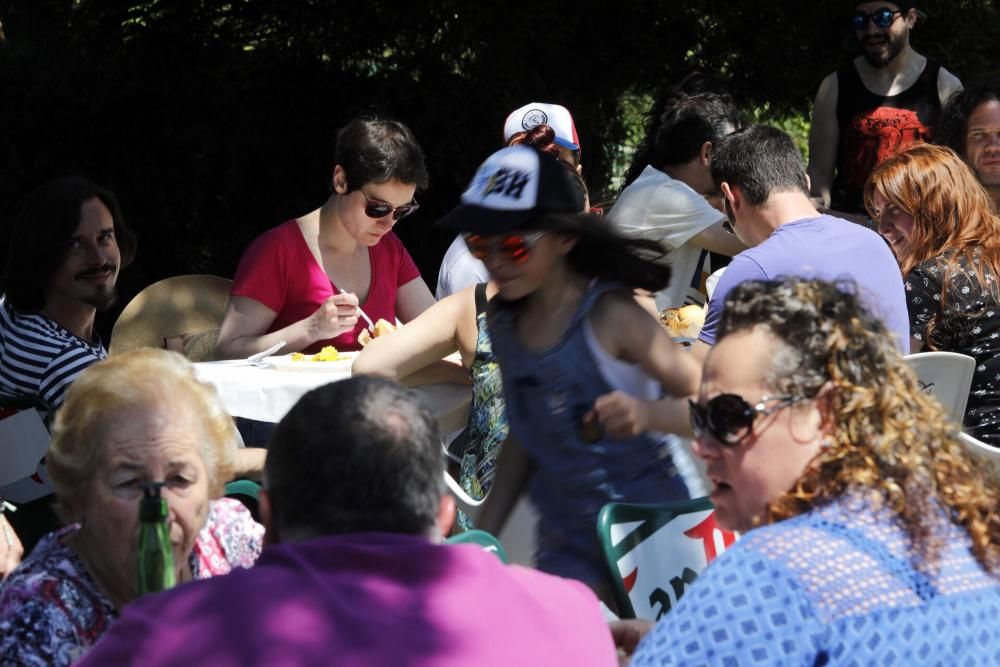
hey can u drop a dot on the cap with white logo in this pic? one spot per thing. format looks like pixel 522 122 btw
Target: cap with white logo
pixel 510 189
pixel 541 113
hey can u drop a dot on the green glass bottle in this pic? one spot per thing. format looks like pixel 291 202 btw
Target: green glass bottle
pixel 155 564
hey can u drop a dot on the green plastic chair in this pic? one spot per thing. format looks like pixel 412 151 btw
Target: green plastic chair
pixel 243 487
pixel 247 492
pixel 654 552
pixel 484 540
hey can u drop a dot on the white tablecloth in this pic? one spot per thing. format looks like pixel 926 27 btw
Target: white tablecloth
pixel 266 394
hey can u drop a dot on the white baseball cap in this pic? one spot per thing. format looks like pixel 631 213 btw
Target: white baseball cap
pixel 541 113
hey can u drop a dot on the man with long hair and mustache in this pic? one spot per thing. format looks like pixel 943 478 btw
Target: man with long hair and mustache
pixel 66 249
pixel 884 100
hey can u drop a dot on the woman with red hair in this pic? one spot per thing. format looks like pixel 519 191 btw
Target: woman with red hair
pixel 945 232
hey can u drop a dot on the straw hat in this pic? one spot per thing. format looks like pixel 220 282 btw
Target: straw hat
pixel 182 313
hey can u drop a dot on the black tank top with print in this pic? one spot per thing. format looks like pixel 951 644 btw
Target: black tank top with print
pixel 873 127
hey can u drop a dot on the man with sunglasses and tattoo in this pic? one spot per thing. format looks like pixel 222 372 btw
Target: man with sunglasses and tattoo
pixel 762 179
pixel 884 100
pixel 303 281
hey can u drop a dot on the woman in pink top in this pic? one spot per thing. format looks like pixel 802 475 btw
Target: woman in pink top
pixel 303 281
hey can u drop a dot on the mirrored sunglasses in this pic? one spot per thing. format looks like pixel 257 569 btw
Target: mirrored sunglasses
pixel 729 418
pixel 376 208
pixel 883 18
pixel 512 247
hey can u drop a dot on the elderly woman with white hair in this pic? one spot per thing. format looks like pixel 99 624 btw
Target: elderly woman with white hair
pixel 137 418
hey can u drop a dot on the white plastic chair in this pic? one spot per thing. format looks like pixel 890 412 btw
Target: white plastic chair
pixel 465 500
pixel 947 376
pixel 24 440
pixel 981 450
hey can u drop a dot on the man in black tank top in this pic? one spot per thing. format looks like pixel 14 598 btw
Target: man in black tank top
pixel 884 100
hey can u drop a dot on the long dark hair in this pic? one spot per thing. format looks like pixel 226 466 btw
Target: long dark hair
pixel 953 123
pixel 46 224
pixel 603 252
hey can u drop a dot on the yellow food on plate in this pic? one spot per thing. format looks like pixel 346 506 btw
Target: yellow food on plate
pixel 328 353
pixel 683 322
pixel 382 328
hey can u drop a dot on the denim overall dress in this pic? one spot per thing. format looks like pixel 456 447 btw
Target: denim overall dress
pixel 547 395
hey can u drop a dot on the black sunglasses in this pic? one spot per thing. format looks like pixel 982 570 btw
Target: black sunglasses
pixel 376 208
pixel 729 418
pixel 883 18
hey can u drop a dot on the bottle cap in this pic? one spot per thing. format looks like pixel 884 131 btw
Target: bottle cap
pixel 152 507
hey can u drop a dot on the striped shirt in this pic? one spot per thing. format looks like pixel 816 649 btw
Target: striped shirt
pixel 39 359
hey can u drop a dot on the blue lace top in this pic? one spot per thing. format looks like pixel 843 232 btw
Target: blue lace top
pixel 835 586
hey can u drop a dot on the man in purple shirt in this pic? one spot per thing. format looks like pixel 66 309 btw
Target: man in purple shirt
pixel 762 178
pixel 354 573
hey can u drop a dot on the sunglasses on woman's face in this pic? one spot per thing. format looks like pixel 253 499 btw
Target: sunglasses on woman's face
pixel 729 418
pixel 883 18
pixel 376 208
pixel 511 247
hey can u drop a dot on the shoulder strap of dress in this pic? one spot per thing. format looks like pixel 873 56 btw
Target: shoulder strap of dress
pixel 480 299
pixel 595 290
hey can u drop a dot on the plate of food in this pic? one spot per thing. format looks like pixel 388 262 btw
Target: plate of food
pixel 326 360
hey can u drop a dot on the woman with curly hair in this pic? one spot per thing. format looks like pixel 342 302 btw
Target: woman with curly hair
pixel 869 532
pixel 945 232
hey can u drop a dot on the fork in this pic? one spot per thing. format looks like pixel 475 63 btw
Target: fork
pixel 363 314
pixel 258 359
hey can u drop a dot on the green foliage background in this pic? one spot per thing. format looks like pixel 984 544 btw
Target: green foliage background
pixel 214 120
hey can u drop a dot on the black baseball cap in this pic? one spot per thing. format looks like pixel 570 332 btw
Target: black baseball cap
pixel 514 189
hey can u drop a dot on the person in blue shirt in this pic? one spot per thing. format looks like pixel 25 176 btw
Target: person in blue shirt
pixel 870 535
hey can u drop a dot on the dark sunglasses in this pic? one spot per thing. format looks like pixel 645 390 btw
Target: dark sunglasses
pixel 729 418
pixel 883 18
pixel 727 224
pixel 512 247
pixel 376 208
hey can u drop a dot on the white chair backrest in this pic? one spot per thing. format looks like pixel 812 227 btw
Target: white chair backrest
pixel 947 376
pixel 465 500
pixel 24 440
pixel 981 450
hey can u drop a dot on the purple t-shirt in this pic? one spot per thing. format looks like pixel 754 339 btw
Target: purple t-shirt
pixel 828 248
pixel 369 599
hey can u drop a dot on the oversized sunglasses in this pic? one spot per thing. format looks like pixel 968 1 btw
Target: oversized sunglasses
pixel 376 208
pixel 883 18
pixel 729 418
pixel 512 247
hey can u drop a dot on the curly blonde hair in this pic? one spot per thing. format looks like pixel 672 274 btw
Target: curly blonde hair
pixel 139 378
pixel 884 433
